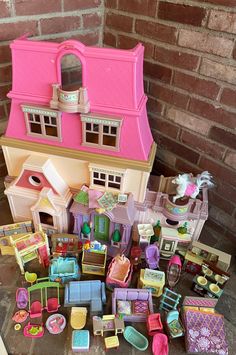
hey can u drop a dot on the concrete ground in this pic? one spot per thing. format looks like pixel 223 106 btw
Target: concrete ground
pixel 17 344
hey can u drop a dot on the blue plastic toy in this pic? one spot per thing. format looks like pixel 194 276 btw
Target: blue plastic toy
pixel 64 270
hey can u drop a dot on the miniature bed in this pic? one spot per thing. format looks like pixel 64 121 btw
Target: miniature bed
pixel 204 331
pixel 119 272
pixel 134 305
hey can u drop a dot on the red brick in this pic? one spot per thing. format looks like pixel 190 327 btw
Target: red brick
pixel 218 70
pixel 119 22
pixel 178 149
pixel 12 30
pixel 168 95
pixel 190 15
pixel 126 42
pixel 205 42
pixel 60 24
pixel 157 71
pixel 222 21
pixel 4 90
pixel 5 74
pixel 234 53
pixel 221 203
pixel 154 106
pixel 4 9
pixel 219 171
pixel 156 31
pixel 109 39
pixel 70 5
pixel 228 97
pixel 230 158
pixel 34 7
pixel 228 191
pixel 204 109
pixel 176 58
pixel 91 20
pixel 191 122
pixel 202 145
pixel 2 112
pixel 111 4
pixel 186 167
pixel 195 85
pixel 89 39
pixel 144 7
pixel 164 126
pixel 223 137
pixel 5 54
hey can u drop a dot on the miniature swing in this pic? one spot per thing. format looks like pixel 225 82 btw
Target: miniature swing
pixel 51 304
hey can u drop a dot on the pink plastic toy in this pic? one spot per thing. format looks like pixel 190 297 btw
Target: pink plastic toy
pixel 21 297
pixel 160 344
pixel 20 316
pixel 36 309
pixel 154 324
pixel 56 323
pixel 174 270
pixel 119 272
pixel 33 330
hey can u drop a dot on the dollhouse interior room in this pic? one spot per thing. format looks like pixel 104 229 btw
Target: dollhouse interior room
pixel 117 177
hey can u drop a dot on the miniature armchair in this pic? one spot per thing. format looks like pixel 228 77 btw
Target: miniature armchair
pixel 173 324
pixel 152 256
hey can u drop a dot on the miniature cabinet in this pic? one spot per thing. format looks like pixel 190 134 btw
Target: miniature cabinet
pixel 65 245
pixel 171 240
pixel 94 258
pixel 153 280
pixel 10 230
pixel 30 246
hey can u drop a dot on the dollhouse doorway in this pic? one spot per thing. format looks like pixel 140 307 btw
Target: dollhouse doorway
pixel 102 226
pixel 46 218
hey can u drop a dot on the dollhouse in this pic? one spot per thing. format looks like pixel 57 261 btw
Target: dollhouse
pixel 58 139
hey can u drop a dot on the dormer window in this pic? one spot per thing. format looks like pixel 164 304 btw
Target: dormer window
pixel 100 131
pixel 42 122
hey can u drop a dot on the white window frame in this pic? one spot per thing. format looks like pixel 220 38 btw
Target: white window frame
pixel 103 175
pixel 30 113
pixel 101 121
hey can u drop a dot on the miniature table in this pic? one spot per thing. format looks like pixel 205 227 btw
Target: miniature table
pixel 111 342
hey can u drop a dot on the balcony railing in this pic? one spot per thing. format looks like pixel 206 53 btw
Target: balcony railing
pixel 70 101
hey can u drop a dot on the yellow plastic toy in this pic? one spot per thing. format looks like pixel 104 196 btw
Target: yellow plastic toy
pixel 78 317
pixel 31 277
pixel 111 342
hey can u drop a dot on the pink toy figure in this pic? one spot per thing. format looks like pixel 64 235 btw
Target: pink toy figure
pixel 190 186
pixel 174 270
pixel 152 256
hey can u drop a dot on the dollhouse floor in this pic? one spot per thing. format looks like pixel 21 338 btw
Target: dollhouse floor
pixel 17 344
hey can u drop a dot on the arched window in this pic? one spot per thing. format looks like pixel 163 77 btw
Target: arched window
pixel 71 72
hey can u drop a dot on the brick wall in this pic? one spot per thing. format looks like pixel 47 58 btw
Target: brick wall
pixel 55 20
pixel 190 77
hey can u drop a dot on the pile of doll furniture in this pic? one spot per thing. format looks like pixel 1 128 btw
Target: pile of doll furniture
pixel 133 305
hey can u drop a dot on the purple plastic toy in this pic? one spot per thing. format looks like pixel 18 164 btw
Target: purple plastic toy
pixel 152 256
pixel 21 297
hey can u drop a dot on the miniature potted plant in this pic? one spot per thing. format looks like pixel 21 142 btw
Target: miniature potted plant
pixel 157 231
pixel 85 231
pixel 183 229
pixel 116 237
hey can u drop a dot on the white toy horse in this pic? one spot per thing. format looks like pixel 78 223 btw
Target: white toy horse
pixel 190 186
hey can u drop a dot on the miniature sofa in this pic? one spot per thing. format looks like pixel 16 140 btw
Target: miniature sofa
pixel 91 293
pixel 133 304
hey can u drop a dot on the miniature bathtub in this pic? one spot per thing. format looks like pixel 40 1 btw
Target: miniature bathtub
pixel 119 273
pixel 138 340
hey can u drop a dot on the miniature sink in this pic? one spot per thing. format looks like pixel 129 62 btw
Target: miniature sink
pixel 202 280
pixel 219 279
pixel 214 288
pixel 208 272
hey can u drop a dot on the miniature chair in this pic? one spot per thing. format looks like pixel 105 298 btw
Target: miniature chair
pixel 173 324
pixel 152 256
pixel 30 277
pixel 154 324
pixel 52 305
pixel 35 309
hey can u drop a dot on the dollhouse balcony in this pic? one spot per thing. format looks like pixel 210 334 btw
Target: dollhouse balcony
pixel 72 101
